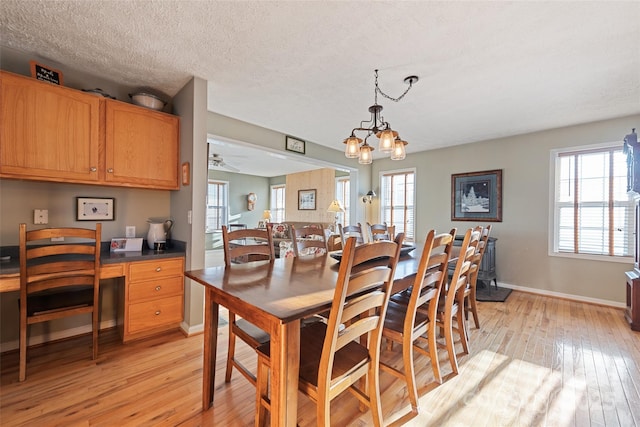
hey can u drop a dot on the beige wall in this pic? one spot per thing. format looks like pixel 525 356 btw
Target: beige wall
pixel 522 254
pixel 321 180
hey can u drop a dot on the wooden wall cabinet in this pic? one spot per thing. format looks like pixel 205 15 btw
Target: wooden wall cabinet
pixel 153 300
pixel 141 147
pixel 48 132
pixel 54 133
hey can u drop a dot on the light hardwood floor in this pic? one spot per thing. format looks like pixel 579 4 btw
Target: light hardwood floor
pixel 537 361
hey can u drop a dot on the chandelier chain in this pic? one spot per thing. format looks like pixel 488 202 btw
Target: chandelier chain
pixel 378 90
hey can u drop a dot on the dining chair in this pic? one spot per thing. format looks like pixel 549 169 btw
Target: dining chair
pixel 336 355
pixel 240 246
pixel 58 280
pixel 470 303
pixel 381 232
pixel 406 325
pixel 308 241
pixel 452 307
pixel 351 230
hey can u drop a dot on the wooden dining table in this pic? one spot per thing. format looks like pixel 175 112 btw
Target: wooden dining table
pixel 275 296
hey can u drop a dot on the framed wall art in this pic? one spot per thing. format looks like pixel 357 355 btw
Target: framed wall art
pixel 307 200
pixel 295 145
pixel 95 209
pixel 477 196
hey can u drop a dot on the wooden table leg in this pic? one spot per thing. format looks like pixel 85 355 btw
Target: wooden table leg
pixel 285 367
pixel 210 348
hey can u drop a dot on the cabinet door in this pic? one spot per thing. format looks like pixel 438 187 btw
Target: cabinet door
pixel 47 132
pixel 142 147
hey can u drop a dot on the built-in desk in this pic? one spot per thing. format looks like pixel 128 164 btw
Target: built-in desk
pixel 151 299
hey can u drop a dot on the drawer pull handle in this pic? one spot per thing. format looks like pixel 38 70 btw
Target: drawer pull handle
pixel 158 288
pixel 110 170
pixel 159 269
pixel 93 169
pixel 158 313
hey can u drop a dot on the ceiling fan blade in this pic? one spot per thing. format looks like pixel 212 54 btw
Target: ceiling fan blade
pixel 229 167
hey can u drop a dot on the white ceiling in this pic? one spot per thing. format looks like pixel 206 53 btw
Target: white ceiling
pixel 306 68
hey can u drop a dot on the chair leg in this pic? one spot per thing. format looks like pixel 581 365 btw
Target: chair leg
pixel 474 307
pixel 462 331
pixel 409 375
pixel 23 352
pixel 374 394
pixel 95 329
pixel 230 352
pixel 448 336
pixel 433 352
pixel 262 391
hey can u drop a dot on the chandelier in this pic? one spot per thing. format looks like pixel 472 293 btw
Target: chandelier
pixel 389 139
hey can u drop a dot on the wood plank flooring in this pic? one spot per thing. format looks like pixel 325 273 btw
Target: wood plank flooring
pixel 536 361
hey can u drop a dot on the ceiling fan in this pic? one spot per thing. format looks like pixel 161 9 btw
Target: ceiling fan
pixel 216 161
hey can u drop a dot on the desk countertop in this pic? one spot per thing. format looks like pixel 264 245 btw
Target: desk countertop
pixel 12 266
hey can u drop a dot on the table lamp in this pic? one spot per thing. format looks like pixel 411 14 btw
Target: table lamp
pixel 335 207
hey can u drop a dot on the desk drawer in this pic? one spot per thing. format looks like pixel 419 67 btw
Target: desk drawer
pixel 153 314
pixel 154 289
pixel 147 270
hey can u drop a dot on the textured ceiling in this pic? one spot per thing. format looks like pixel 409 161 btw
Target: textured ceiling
pixel 486 69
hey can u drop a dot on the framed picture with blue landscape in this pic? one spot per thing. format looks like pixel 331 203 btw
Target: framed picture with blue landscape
pixel 477 196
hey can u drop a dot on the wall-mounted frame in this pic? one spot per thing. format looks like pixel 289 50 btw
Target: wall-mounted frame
pixel 307 200
pixel 186 174
pixel 295 145
pixel 477 196
pixel 95 208
pixel 45 73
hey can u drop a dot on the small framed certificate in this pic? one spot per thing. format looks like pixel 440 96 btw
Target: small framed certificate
pixel 295 145
pixel 95 209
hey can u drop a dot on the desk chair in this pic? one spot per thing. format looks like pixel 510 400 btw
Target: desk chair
pixel 58 280
pixel 308 241
pixel 406 325
pixel 334 358
pixel 245 244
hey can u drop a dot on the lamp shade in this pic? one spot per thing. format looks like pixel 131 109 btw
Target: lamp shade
pixel 266 214
pixel 366 155
pixel 335 206
pixel 387 139
pixel 353 147
pixel 399 152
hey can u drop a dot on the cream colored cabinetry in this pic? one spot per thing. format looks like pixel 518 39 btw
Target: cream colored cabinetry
pixel 141 148
pixel 47 132
pixel 53 133
pixel 153 300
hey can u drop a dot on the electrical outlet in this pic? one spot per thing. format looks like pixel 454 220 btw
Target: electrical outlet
pixel 41 216
pixel 130 231
pixel 189 214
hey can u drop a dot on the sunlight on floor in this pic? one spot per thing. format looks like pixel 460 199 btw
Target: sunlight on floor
pixel 515 387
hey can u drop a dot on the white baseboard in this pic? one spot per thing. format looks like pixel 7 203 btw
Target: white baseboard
pixel 192 330
pixel 58 335
pixel 571 297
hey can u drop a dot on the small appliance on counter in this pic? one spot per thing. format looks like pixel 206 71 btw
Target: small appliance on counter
pixel 158 233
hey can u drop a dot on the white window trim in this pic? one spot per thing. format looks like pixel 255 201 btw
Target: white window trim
pixel 553 154
pixel 218 181
pixel 415 189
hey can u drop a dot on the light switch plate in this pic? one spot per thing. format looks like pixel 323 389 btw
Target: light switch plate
pixel 130 231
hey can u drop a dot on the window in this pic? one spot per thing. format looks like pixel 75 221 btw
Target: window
pixel 277 203
pixel 217 204
pixel 592 212
pixel 342 193
pixel 397 201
